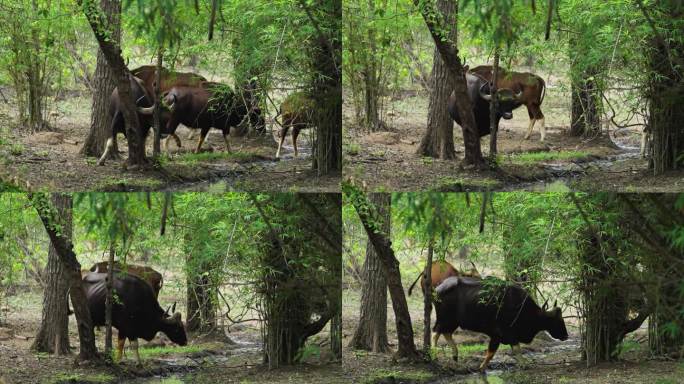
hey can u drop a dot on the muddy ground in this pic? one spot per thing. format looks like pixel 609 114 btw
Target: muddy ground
pixel 236 358
pixel 388 161
pixel 546 360
pixel 51 160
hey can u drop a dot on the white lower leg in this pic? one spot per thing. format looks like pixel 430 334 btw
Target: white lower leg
pixel 642 149
pixel 225 140
pixel 453 345
pixel 529 128
pixel 108 147
pixel 542 129
pixel 280 145
pixel 134 345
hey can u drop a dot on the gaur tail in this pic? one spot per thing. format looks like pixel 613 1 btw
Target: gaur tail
pixel 414 283
pixel 543 85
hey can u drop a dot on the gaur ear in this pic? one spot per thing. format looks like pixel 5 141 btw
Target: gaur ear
pixel 177 316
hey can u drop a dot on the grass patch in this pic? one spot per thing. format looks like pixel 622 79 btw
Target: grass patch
pixel 122 185
pixel 449 183
pixel 399 376
pixel 352 149
pixel 535 157
pixel 16 149
pixel 83 378
pixel 194 158
pixel 146 353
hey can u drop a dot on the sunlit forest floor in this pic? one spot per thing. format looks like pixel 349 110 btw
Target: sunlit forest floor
pixel 547 360
pixel 388 161
pixel 213 359
pixel 50 160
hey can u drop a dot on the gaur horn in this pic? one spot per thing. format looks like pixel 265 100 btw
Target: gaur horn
pixel 146 110
pixel 554 303
pixel 546 305
pixel 484 95
pixel 173 309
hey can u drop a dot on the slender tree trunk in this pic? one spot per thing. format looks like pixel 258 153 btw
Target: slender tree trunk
pixel 438 140
pixel 109 302
pixel 383 246
pixel 58 228
pixel 586 107
pixel 493 126
pixel 157 106
pixel 53 335
pixel 104 83
pixel 449 52
pixel 112 52
pixel 371 77
pixel 371 331
pixel 427 299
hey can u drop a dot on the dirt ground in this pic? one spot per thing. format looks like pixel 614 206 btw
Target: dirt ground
pixel 235 359
pixel 388 161
pixel 545 360
pixel 50 160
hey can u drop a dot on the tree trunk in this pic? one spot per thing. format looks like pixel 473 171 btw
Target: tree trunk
pixel 104 83
pixel 112 52
pixel 493 126
pixel 58 227
pixel 200 300
pixel 586 108
pixel 383 247
pixel 327 84
pixel 371 331
pixel 438 140
pixel 427 299
pixel 449 52
pixel 157 106
pixel 53 335
pixel 666 93
pixel 370 76
pixel 109 302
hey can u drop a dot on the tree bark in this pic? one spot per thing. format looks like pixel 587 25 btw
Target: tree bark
pixel 326 51
pixel 371 331
pixel 666 90
pixel 200 299
pixel 438 140
pixel 104 84
pixel 493 123
pixel 112 52
pixel 586 106
pixel 109 302
pixel 370 76
pixel 383 246
pixel 58 227
pixel 449 52
pixel 157 106
pixel 53 335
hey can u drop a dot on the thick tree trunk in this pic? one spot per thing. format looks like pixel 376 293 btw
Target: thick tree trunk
pixel 371 331
pixel 112 52
pixel 327 84
pixel 200 301
pixel 438 140
pixel 58 227
pixel 666 92
pixel 53 335
pixel 104 84
pixel 383 246
pixel 586 106
pixel 449 52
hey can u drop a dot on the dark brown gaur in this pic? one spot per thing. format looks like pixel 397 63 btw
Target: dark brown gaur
pixel 210 105
pixel 152 277
pixel 533 91
pixel 296 109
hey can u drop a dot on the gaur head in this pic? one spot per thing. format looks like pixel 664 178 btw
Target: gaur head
pixel 555 325
pixel 175 329
pixel 506 98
